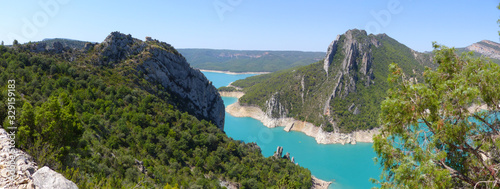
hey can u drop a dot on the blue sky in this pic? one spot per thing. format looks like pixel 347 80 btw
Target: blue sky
pixel 252 24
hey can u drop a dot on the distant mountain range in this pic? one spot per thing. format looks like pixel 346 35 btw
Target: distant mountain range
pixel 248 60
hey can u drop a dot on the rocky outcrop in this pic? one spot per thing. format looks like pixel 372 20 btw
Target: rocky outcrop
pixel 47 178
pixel 174 74
pixel 161 64
pixel 19 170
pixel 357 59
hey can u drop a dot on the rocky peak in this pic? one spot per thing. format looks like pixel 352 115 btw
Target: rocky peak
pixel 356 48
pixel 118 46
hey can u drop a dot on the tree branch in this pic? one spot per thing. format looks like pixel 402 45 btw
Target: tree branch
pixel 456 174
pixel 485 122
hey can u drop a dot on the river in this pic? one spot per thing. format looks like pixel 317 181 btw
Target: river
pixel 347 166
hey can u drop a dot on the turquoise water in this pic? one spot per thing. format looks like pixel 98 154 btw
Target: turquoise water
pixel 347 166
pixel 221 79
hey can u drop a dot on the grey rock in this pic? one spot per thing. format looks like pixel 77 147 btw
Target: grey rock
pixel 49 179
pixel 330 53
pixel 293 160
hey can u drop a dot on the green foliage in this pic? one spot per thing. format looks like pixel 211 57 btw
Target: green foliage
pixel 106 127
pixel 430 138
pixel 248 61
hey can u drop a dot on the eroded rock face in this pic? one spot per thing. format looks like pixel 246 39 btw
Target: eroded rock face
pixel 19 170
pixel 161 64
pixel 175 75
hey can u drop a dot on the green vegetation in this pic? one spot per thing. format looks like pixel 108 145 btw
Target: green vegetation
pixel 248 61
pixel 106 126
pixel 304 91
pixel 429 138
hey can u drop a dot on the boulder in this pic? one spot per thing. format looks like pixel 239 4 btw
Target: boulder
pixel 47 178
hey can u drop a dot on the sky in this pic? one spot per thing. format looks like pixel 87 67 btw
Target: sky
pixel 252 24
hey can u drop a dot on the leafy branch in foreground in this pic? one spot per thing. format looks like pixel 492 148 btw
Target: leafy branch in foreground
pixel 433 135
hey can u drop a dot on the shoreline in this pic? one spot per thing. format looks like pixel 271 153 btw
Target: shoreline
pixel 291 124
pixel 233 73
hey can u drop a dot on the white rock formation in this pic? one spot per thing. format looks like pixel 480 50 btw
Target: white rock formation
pixel 19 170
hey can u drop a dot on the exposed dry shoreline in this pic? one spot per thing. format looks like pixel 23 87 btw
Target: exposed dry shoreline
pixel 319 184
pixel 291 124
pixel 233 73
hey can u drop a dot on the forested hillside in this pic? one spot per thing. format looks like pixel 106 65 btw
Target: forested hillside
pixel 343 92
pixel 106 117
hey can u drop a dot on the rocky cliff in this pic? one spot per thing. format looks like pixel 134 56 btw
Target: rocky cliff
pixel 19 170
pixel 161 64
pixel 343 92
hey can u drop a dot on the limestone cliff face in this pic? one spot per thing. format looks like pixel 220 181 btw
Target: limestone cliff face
pixel 357 64
pixel 161 64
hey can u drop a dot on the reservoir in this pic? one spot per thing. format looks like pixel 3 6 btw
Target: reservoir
pixel 347 166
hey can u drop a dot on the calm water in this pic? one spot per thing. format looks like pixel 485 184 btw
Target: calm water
pixel 348 166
